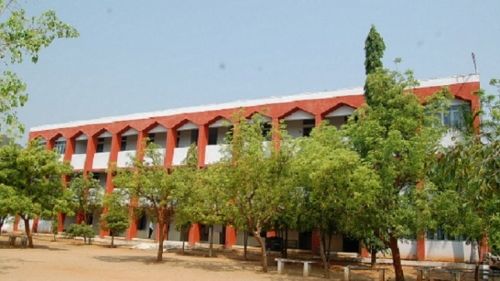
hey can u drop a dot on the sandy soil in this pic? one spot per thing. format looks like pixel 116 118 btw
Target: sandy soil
pixel 71 260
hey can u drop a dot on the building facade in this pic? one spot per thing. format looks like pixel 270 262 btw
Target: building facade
pixel 90 146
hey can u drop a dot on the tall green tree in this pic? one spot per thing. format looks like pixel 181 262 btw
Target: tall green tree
pixel 186 193
pixel 87 196
pixel 7 199
pixel 22 36
pixel 258 179
pixel 374 52
pixel 398 137
pixel 336 184
pixel 467 179
pixel 34 174
pixel 153 186
pixel 115 219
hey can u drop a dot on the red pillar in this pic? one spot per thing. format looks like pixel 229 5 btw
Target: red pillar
pixel 132 229
pixel 202 144
pixel 276 138
pixel 91 148
pixel 271 233
pixel 318 119
pixel 230 237
pixel 484 247
pixel 364 253
pixel 113 157
pixel 194 234
pixel 60 222
pixel 315 241
pixel 70 149
pixel 421 246
pixel 170 146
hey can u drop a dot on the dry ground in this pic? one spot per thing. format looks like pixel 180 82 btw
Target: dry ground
pixel 71 260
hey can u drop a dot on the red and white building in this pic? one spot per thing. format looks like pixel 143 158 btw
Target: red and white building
pixel 91 145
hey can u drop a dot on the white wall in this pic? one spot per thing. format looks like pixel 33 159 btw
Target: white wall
pixel 213 153
pixel 407 248
pixel 100 160
pixel 180 154
pixel 78 161
pixel 453 251
pixel 124 158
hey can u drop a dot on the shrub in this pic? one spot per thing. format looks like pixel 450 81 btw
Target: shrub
pixel 81 230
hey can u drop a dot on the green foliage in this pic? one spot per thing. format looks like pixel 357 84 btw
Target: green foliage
pixel 398 138
pixel 7 201
pixel 258 178
pixel 33 175
pixel 21 36
pixel 467 182
pixel 339 190
pixel 87 194
pixel 151 184
pixel 374 51
pixel 115 218
pixel 81 230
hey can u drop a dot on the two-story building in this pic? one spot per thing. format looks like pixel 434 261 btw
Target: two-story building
pixel 91 145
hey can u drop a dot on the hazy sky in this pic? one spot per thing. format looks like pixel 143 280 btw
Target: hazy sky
pixel 136 56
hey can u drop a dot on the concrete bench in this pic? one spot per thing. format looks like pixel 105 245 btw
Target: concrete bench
pixel 349 268
pixel 14 236
pixel 281 265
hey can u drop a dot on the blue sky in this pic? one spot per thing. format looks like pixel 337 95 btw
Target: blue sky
pixel 136 56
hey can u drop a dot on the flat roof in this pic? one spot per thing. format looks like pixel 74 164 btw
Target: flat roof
pixel 435 82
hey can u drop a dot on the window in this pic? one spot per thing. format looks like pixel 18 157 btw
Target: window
pixel 123 143
pixel 100 145
pixel 266 129
pixel 307 126
pixel 454 117
pixel 212 135
pixel 194 136
pixel 151 138
pixel 60 147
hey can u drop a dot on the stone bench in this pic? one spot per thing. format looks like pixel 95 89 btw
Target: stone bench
pixel 281 265
pixel 349 268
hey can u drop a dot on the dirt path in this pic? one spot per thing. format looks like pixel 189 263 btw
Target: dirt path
pixel 71 260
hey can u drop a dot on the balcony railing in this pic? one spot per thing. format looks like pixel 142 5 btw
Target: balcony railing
pixel 125 158
pixel 100 160
pixel 78 161
pixel 214 153
pixel 180 154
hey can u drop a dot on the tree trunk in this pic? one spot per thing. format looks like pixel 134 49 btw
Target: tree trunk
pixel 245 244
pixel 322 251
pixel 211 248
pixel 479 259
pixel 396 258
pixel 263 252
pixel 28 232
pixel 161 236
pixel 374 256
pixel 112 241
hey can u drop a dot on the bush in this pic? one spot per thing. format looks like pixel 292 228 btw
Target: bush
pixel 81 230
